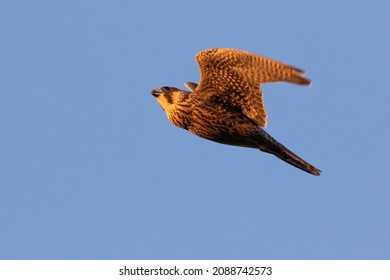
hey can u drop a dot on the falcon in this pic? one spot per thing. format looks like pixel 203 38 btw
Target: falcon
pixel 227 105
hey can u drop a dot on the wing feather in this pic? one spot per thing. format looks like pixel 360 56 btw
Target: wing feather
pixel 235 77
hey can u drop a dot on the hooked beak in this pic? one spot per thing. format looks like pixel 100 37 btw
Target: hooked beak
pixel 156 92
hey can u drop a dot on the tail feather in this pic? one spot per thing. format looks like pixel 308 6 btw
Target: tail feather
pixel 274 147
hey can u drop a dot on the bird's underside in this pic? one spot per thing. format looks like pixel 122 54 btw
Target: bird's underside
pixel 227 105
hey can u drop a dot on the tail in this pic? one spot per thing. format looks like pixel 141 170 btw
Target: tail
pixel 269 145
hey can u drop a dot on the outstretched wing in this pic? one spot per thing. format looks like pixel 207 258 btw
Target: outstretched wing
pixel 191 86
pixel 235 77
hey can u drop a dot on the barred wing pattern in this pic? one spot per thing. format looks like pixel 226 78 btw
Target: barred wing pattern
pixel 234 77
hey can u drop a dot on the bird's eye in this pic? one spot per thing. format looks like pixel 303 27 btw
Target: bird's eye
pixel 166 89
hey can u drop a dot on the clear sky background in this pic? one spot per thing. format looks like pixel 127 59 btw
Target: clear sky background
pixel 90 167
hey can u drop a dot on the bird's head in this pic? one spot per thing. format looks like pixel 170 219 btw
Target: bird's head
pixel 169 97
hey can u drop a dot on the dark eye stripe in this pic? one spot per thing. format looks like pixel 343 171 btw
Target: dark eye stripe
pixel 169 98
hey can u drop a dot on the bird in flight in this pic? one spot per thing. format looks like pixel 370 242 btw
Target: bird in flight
pixel 227 105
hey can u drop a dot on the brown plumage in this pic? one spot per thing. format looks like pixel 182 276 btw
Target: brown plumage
pixel 227 106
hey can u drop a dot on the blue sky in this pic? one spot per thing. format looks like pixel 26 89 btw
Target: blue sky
pixel 92 169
